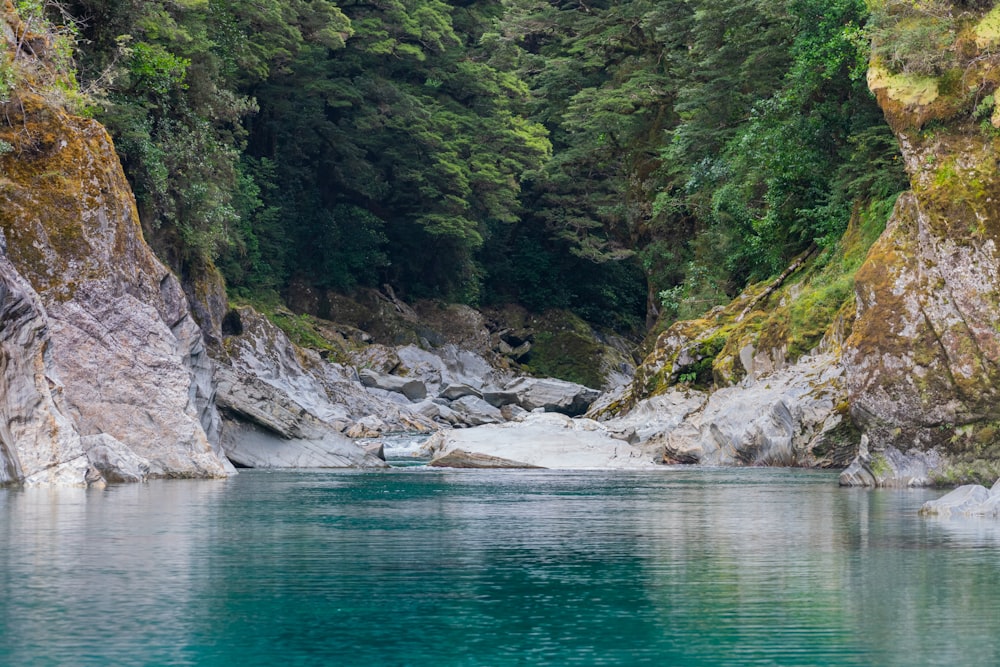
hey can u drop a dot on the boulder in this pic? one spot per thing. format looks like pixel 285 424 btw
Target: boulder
pixel 474 411
pixel 500 397
pixel 415 390
pixel 379 358
pixel 542 440
pixel 115 461
pixel 376 449
pixel 457 390
pixel 967 499
pixel 551 395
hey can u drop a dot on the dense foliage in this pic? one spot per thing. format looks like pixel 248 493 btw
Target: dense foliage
pixel 613 157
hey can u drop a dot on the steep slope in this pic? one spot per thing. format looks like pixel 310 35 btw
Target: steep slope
pixel 923 361
pixel 97 337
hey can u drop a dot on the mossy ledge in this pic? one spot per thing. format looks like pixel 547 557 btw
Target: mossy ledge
pixel 770 325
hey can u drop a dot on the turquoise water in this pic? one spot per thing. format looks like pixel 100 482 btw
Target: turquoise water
pixel 433 567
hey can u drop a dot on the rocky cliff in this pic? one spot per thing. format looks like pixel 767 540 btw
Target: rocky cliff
pixel 923 360
pixel 103 371
pixel 907 341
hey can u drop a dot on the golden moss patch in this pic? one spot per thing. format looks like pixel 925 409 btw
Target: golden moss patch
pixel 907 89
pixel 987 31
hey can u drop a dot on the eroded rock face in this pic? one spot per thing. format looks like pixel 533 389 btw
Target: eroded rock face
pixel 288 407
pixel 794 417
pixel 923 361
pixel 122 348
pixel 38 441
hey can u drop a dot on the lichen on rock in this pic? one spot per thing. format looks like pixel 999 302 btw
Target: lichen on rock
pixel 923 361
pixel 121 346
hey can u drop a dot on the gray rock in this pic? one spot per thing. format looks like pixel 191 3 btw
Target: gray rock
pixel 291 405
pixel 458 458
pixel 115 461
pixel 777 420
pixel 967 499
pixel 122 345
pixel 379 358
pixel 249 398
pixel 39 444
pixel 653 419
pixel 376 449
pixel 513 412
pixel 449 364
pixel 457 390
pixel 499 397
pixel 415 390
pixel 990 508
pixel 366 427
pixel 474 411
pixel 250 446
pixel 890 467
pixel 552 395
pixel 546 440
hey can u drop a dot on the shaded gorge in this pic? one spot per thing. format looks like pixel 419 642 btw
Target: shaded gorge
pixel 462 567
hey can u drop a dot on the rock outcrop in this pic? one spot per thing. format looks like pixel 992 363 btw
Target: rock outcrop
pixel 109 330
pixel 550 395
pixel 284 406
pixel 759 381
pixel 923 361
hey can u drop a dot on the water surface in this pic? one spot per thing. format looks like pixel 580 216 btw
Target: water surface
pixel 435 567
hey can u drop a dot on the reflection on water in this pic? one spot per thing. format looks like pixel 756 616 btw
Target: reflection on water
pixel 436 567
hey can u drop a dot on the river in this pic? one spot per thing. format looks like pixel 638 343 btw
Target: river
pixel 418 566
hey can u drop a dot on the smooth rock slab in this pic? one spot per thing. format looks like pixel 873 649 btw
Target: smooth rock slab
pixel 967 499
pixel 542 440
pixel 250 446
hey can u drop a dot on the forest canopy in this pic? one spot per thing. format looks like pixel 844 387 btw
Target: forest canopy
pixel 623 159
